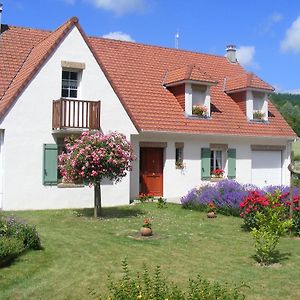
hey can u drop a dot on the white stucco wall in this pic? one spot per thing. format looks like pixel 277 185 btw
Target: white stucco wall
pixel 28 126
pixel 177 182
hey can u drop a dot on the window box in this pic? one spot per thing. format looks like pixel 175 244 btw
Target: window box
pixel 258 115
pixel 70 185
pixel 216 179
pixel 199 110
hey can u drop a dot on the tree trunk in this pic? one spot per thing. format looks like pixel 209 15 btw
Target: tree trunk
pixel 97 199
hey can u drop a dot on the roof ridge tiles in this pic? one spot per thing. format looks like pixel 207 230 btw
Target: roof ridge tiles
pixel 157 46
pixel 26 28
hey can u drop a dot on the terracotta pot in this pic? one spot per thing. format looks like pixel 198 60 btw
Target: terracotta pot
pixel 211 214
pixel 145 231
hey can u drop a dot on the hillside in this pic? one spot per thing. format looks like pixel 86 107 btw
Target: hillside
pixel 289 107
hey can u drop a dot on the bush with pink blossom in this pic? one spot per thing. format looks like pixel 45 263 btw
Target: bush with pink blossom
pixel 95 156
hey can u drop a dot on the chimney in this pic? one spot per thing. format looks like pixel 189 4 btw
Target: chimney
pixel 1 8
pixel 231 53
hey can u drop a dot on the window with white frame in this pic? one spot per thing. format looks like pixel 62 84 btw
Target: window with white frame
pixel 199 101
pixel 70 83
pixel 258 105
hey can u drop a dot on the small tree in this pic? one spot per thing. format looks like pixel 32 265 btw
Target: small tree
pixel 94 156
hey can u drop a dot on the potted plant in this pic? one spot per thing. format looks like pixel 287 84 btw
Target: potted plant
pixel 179 164
pixel 211 210
pixel 146 229
pixel 258 115
pixel 217 173
pixel 199 110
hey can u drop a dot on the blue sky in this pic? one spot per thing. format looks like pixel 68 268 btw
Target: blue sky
pixel 266 32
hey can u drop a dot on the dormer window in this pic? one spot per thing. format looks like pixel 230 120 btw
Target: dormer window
pixel 191 87
pixel 200 100
pixel 260 106
pixel 251 94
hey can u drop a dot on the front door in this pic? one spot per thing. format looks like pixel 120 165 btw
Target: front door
pixel 151 171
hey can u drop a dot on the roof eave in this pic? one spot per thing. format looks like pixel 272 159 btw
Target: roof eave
pixel 202 82
pixel 255 89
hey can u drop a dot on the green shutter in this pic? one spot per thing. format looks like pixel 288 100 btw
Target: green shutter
pixel 231 163
pixel 50 164
pixel 205 163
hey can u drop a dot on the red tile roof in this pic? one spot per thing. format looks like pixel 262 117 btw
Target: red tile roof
pixel 189 72
pixel 25 50
pixel 244 81
pixel 136 72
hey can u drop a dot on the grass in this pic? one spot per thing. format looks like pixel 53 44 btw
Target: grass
pixel 80 252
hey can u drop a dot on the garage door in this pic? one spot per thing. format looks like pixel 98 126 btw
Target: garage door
pixel 266 168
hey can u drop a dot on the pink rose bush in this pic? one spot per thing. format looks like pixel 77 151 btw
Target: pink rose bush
pixel 94 156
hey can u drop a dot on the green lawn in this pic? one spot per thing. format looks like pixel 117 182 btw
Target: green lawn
pixel 80 252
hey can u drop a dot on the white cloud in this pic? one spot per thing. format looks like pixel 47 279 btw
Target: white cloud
pixel 245 56
pixel 271 21
pixel 291 40
pixel 120 7
pixel 275 17
pixel 118 35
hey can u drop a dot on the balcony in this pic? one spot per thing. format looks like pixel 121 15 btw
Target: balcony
pixel 75 114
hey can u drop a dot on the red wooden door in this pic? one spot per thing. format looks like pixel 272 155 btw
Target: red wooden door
pixel 151 171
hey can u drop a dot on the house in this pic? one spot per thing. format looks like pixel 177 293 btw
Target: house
pixel 185 114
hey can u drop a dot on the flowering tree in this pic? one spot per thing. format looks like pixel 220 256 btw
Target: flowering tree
pixel 94 156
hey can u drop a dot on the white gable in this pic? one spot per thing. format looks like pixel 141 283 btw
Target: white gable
pixel 28 126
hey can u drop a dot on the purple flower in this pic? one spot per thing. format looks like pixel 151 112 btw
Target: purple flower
pixel 227 194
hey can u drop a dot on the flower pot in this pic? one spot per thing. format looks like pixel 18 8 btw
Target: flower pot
pixel 211 214
pixel 145 231
pixel 216 179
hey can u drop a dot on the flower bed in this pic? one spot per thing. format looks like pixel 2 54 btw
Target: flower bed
pixel 228 195
pixel 259 201
pixel 225 194
pixel 16 236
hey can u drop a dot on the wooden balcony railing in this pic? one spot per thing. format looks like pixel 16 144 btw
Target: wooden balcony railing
pixel 69 113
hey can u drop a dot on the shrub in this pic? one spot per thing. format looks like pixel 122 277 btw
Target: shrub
pixel 155 287
pixel 161 202
pixel 253 203
pixel 200 288
pixel 296 220
pixel 226 195
pixel 15 237
pixel 191 199
pixel 258 201
pixel 271 224
pixel 10 248
pixel 26 233
pixel 145 197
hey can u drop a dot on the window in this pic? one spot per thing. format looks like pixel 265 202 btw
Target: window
pixel 70 83
pixel 216 160
pixel 259 112
pixel 200 102
pixel 179 155
pixel 51 173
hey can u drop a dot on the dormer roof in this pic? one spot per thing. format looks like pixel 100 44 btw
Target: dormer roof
pixel 246 81
pixel 188 73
